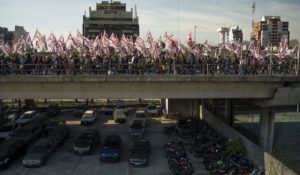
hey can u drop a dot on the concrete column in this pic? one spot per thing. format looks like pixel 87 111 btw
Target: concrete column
pixel 228 115
pixel 298 107
pixel 201 109
pixel 1 112
pixel 266 128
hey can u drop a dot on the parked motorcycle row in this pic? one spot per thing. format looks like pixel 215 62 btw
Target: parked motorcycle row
pixel 218 154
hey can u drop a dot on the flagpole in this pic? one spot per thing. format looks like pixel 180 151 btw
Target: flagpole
pixel 271 61
pixel 298 63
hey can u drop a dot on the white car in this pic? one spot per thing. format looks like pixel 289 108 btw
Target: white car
pixel 152 110
pixel 119 116
pixel 122 105
pixel 141 115
pixel 27 117
pixel 88 117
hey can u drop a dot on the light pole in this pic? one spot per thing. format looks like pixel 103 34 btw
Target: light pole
pixel 195 32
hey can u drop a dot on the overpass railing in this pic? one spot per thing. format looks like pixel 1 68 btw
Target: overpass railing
pixel 148 69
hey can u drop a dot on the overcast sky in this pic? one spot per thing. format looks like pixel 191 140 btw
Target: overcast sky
pixel 156 16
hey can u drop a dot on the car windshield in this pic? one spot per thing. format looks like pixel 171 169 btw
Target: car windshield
pixel 87 115
pixel 111 145
pixel 38 149
pixel 26 116
pixel 22 132
pixel 140 116
pixel 80 107
pixel 109 106
pixel 152 107
pixel 119 113
pixel 136 126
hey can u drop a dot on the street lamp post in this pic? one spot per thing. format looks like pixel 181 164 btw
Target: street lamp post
pixel 195 32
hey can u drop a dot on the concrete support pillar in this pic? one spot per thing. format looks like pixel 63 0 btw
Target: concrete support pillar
pixel 19 103
pixel 266 128
pixel 1 112
pixel 228 115
pixel 298 107
pixel 201 109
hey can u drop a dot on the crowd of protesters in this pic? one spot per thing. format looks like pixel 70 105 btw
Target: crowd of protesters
pixel 35 64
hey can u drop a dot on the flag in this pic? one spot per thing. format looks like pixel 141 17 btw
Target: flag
pixel 140 46
pixel 189 41
pixel 149 40
pixel 238 49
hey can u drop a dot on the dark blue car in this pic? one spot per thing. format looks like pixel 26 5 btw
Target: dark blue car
pixel 111 150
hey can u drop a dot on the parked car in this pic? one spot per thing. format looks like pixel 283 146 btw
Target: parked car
pixel 53 124
pixel 151 109
pixel 86 142
pixel 141 115
pixel 60 134
pixel 27 117
pixel 111 150
pixel 39 153
pixel 109 108
pixel 29 133
pixel 10 151
pixel 122 105
pixel 136 129
pixel 88 117
pixel 8 130
pixel 53 110
pixel 79 110
pixel 13 114
pixel 139 153
pixel 119 116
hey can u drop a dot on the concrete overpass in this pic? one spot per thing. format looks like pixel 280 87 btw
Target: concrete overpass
pixel 185 92
pixel 173 87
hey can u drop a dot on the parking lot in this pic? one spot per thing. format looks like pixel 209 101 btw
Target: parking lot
pixel 66 162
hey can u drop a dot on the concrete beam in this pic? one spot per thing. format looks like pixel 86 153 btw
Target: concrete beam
pixel 283 96
pixel 266 128
pixel 173 87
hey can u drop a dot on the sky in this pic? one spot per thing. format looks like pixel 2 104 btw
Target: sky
pixel 156 16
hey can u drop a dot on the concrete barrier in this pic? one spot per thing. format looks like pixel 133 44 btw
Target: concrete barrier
pixel 275 167
pixel 254 152
pixel 261 159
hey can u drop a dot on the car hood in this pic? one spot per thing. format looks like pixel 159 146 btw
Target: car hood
pixel 5 134
pixel 139 155
pixel 34 156
pixel 107 151
pixel 82 145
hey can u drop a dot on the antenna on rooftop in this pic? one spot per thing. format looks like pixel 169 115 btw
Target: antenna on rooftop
pixel 135 11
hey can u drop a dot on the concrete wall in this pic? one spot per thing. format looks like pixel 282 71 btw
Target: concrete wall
pixel 275 167
pixel 188 107
pixel 174 87
pixel 254 152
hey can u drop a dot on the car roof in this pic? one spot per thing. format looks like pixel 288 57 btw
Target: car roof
pixel 140 112
pixel 89 112
pixel 119 110
pixel 29 112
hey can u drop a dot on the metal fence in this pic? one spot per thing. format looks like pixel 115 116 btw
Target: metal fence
pixel 148 69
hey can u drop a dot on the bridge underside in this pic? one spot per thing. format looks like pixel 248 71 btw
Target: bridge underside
pixel 136 89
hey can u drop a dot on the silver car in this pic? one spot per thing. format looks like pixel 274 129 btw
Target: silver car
pixel 141 115
pixel 39 153
pixel 27 117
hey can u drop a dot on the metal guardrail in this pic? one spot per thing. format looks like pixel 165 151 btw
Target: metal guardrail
pixel 148 69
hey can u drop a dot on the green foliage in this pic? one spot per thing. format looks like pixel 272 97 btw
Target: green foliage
pixel 235 147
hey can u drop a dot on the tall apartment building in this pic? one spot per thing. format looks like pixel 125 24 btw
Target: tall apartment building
pixel 6 35
pixel 111 17
pixel 233 34
pixel 270 29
